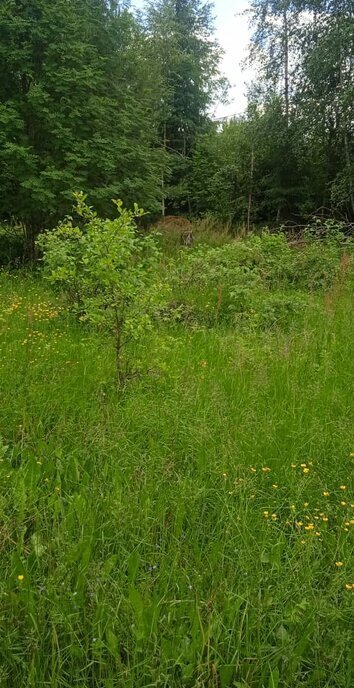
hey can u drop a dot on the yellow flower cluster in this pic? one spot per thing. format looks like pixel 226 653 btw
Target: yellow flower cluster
pixel 43 311
pixel 14 306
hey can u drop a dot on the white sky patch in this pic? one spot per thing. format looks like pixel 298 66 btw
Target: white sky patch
pixel 233 34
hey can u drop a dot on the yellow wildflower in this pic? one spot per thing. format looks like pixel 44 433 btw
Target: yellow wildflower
pixel 339 564
pixel 20 577
pixel 325 494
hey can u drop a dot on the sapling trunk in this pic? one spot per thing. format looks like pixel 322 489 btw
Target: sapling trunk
pixel 249 210
pixel 118 350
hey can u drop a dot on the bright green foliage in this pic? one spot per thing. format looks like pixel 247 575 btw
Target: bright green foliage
pixel 108 271
pixel 258 282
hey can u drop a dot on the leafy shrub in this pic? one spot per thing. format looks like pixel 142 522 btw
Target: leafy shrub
pixel 271 309
pixel 256 281
pixel 268 256
pixel 107 271
pixel 316 266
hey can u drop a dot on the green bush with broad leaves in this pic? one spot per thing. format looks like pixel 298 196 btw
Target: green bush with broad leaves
pixel 260 281
pixel 108 271
pixel 316 266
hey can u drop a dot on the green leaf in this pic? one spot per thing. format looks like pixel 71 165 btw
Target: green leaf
pixel 136 600
pixel 274 678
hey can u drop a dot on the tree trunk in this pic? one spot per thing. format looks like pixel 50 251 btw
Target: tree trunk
pixel 286 64
pixel 118 345
pixel 31 234
pixel 163 204
pixel 250 195
pixel 349 167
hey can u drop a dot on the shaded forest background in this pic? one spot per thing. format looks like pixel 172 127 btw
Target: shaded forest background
pixel 99 98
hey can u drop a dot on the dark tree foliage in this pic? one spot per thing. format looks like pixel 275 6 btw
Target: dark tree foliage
pixel 293 154
pixel 188 57
pixel 96 99
pixel 74 110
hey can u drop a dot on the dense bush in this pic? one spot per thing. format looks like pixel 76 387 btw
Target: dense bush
pixel 107 271
pixel 258 281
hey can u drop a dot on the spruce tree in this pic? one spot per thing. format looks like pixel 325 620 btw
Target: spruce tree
pixel 188 58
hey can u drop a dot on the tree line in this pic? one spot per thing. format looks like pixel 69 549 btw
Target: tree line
pixel 97 97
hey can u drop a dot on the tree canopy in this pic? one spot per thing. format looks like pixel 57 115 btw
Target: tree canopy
pixel 98 99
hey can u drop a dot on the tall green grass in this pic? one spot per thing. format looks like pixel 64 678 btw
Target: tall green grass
pixel 194 529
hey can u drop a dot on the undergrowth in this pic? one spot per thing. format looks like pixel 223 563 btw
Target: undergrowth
pixel 195 528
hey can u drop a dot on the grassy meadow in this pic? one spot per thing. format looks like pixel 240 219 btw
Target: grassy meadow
pixel 195 528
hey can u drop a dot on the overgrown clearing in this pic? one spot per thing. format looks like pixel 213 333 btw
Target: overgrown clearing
pixel 196 527
pixel 176 407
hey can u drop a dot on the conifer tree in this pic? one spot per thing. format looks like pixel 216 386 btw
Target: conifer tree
pixel 188 58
